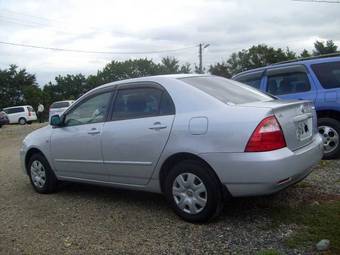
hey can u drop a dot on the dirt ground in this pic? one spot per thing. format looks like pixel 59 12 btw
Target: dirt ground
pixel 84 219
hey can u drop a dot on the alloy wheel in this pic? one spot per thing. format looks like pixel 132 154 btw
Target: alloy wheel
pixel 330 138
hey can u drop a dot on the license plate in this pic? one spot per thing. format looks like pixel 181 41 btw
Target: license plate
pixel 304 129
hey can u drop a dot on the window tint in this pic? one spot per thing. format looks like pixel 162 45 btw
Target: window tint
pixel 328 74
pixel 227 91
pixel 137 103
pixel 14 110
pixel 253 82
pixel 93 110
pixel 167 106
pixel 288 83
pixel 60 105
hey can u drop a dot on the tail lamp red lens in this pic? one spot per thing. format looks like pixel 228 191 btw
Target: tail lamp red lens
pixel 267 136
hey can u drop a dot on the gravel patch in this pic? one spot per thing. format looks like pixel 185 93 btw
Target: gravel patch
pixel 85 219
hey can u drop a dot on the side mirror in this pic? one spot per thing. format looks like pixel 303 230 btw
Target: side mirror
pixel 55 121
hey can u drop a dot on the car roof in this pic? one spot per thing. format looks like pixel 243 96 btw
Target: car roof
pixel 17 106
pixel 154 78
pixel 308 61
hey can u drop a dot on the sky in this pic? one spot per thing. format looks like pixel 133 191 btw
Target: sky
pixel 174 27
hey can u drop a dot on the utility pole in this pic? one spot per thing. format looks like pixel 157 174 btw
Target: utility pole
pixel 201 46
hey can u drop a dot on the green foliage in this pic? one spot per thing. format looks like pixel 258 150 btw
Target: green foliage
pixel 18 87
pixel 254 57
pixel 322 48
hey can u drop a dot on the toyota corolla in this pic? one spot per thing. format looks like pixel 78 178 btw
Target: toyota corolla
pixel 194 138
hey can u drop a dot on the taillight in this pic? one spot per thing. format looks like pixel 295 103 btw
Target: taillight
pixel 29 113
pixel 267 136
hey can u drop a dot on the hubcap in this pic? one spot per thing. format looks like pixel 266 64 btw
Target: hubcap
pixel 330 138
pixel 189 193
pixel 38 174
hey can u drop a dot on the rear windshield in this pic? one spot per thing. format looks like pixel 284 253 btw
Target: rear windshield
pixel 227 91
pixel 328 74
pixel 30 109
pixel 60 105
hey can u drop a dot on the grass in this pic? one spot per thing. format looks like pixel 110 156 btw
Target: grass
pixel 316 222
pixel 269 252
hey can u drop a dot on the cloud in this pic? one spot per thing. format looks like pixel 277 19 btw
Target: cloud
pixel 228 25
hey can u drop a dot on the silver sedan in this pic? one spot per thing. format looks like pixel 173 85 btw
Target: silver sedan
pixel 194 138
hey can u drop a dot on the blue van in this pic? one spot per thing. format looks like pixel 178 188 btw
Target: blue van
pixel 316 79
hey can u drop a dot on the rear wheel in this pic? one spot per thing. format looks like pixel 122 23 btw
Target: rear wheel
pixel 42 177
pixel 193 191
pixel 330 132
pixel 22 121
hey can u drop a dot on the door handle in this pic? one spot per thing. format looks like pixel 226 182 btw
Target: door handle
pixel 93 131
pixel 157 126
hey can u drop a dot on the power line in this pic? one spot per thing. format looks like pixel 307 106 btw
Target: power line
pixel 319 1
pixel 95 52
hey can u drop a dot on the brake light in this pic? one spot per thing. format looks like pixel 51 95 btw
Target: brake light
pixel 29 113
pixel 267 136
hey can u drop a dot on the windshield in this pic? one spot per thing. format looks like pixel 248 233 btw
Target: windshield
pixel 60 105
pixel 227 91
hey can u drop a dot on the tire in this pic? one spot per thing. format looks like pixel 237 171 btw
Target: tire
pixel 22 121
pixel 330 131
pixel 201 174
pixel 43 182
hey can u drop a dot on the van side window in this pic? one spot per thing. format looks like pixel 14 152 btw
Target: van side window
pixel 328 74
pixel 288 83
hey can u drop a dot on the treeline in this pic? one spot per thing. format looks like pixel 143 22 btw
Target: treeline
pixel 18 87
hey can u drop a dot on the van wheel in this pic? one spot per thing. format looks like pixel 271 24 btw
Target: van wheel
pixel 41 176
pixel 193 191
pixel 22 121
pixel 330 132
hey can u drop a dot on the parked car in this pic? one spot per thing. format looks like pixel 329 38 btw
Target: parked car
pixel 3 119
pixel 315 79
pixel 59 107
pixel 20 114
pixel 194 138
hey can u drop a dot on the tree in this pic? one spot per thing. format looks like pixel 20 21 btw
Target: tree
pixel 305 54
pixel 17 87
pixel 254 57
pixel 321 48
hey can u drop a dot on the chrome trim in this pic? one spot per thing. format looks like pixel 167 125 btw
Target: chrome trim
pixel 128 163
pixel 78 161
pixel 105 162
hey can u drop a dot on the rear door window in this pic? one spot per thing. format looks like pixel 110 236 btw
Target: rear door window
pixel 138 102
pixel 328 74
pixel 227 91
pixel 14 110
pixel 288 83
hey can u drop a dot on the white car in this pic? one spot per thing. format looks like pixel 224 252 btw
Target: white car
pixel 20 114
pixel 57 108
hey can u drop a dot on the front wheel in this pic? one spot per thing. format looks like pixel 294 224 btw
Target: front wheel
pixel 193 191
pixel 329 129
pixel 41 176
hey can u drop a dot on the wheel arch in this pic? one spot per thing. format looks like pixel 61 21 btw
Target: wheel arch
pixel 30 153
pixel 333 114
pixel 176 158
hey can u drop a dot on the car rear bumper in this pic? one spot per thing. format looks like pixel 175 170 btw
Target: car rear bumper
pixel 261 173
